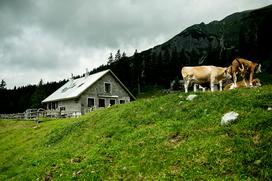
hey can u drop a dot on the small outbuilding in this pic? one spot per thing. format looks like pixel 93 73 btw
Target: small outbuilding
pixel 82 95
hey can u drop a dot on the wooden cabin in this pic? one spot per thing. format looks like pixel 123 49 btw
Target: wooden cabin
pixel 82 95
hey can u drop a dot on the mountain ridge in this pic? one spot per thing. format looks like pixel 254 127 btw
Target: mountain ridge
pixel 244 34
pixel 238 16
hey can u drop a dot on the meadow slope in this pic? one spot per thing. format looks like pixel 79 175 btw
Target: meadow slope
pixel 163 137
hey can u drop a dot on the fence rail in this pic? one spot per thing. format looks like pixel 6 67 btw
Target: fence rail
pixel 40 114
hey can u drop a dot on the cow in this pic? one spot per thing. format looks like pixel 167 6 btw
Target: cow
pixel 243 66
pixel 204 74
pixel 240 84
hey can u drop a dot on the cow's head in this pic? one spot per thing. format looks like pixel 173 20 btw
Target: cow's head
pixel 228 72
pixel 229 69
pixel 256 82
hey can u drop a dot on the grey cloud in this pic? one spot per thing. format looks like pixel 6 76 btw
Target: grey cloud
pixel 98 23
pixel 107 23
pixel 13 16
pixel 40 54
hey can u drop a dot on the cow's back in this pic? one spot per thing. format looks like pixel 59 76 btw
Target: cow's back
pixel 197 71
pixel 197 74
pixel 238 62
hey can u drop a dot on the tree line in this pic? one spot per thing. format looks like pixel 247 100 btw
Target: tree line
pixel 19 99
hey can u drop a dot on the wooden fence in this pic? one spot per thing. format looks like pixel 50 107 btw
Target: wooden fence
pixel 40 114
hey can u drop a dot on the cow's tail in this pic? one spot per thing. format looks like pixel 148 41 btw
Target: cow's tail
pixel 240 65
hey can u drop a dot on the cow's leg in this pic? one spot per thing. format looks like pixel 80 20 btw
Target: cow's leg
pixel 234 79
pixel 251 78
pixel 185 87
pixel 212 81
pixel 203 88
pixel 243 74
pixel 244 80
pixel 221 85
pixel 212 86
pixel 195 88
pixel 186 84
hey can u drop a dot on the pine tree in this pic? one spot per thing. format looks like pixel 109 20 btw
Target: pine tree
pixel 117 56
pixel 38 95
pixel 3 84
pixel 124 55
pixel 110 59
pixel 137 70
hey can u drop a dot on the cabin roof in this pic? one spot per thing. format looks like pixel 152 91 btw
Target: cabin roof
pixel 75 87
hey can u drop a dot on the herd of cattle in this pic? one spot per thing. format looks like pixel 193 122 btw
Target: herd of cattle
pixel 200 75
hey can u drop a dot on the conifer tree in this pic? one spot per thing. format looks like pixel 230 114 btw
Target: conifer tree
pixel 110 59
pixel 137 70
pixel 3 84
pixel 117 56
pixel 38 95
pixel 124 55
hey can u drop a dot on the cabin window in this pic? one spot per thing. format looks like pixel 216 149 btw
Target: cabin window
pixel 101 102
pixel 53 105
pixel 62 108
pixel 122 101
pixel 112 102
pixel 90 102
pixel 107 87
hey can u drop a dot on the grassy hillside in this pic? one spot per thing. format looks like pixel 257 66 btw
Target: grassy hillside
pixel 164 137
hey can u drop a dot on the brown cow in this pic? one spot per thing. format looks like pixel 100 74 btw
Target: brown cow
pixel 204 74
pixel 243 66
pixel 240 84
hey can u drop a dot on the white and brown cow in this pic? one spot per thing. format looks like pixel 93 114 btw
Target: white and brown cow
pixel 243 66
pixel 204 74
pixel 240 84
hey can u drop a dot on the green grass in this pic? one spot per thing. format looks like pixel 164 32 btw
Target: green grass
pixel 158 138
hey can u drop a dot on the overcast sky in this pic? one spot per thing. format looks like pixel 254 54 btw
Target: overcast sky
pixel 50 39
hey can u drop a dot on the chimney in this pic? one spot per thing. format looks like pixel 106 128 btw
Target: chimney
pixel 87 73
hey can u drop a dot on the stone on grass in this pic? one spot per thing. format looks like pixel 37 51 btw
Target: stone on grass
pixel 229 117
pixel 191 97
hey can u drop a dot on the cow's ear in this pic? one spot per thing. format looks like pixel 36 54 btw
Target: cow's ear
pixel 228 69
